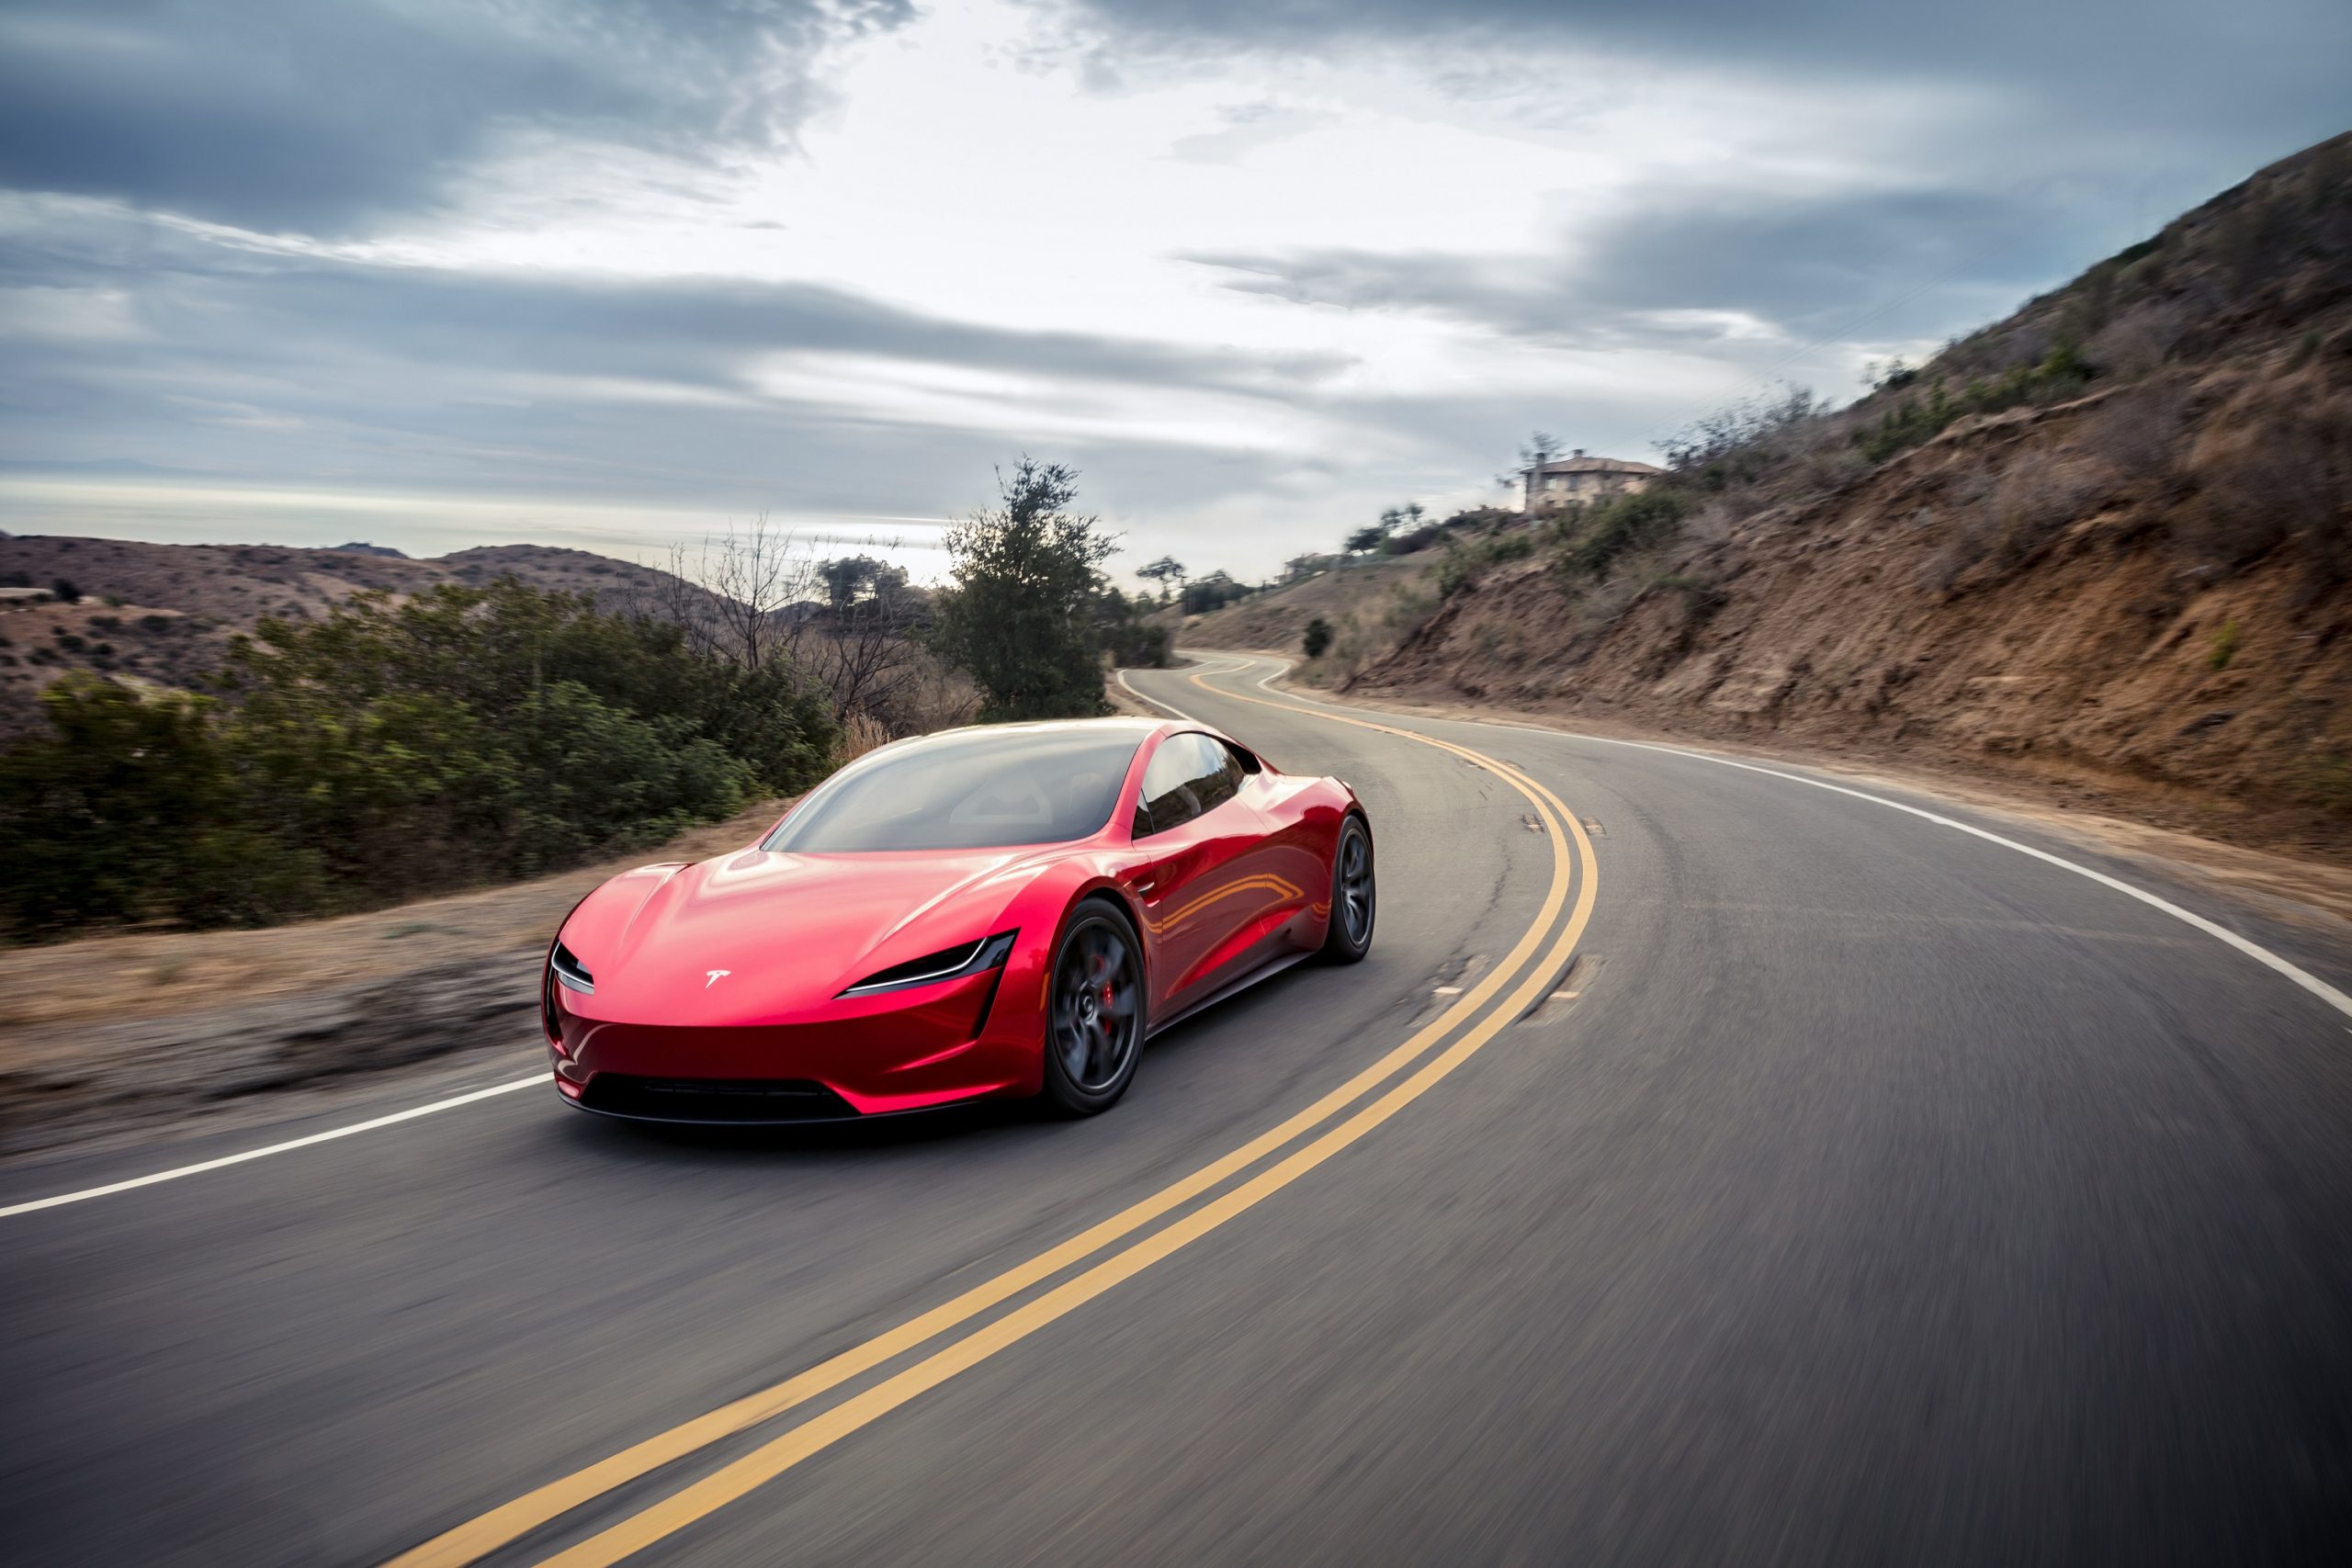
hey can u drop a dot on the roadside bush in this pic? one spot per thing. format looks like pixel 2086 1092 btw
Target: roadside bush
pixel 1318 641
pixel 1138 644
pixel 1596 537
pixel 131 808
pixel 385 751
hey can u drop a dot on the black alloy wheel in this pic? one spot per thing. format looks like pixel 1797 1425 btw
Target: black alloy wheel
pixel 1095 1020
pixel 1354 901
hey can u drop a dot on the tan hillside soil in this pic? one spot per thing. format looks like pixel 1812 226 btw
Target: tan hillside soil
pixel 2099 658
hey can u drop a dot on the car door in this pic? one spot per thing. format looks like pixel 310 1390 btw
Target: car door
pixel 1198 877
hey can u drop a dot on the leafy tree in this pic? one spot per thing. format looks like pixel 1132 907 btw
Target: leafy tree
pixel 1317 641
pixel 1133 642
pixel 1366 540
pixel 1213 591
pixel 1164 570
pixel 847 577
pixel 1017 618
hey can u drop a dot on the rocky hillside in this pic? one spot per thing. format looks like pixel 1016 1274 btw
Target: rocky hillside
pixel 165 613
pixel 1369 603
pixel 2108 541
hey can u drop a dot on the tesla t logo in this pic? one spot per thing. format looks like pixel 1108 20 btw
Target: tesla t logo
pixel 715 976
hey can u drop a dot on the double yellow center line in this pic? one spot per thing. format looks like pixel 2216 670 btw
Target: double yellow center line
pixel 1532 963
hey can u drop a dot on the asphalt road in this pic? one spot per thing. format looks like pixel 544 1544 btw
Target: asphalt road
pixel 1868 1192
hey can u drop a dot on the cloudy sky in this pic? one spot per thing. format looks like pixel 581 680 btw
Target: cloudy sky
pixel 611 272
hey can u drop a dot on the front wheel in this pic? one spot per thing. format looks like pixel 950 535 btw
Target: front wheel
pixel 1094 1019
pixel 1354 903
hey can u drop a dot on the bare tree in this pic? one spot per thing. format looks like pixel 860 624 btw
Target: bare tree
pixel 862 647
pixel 757 581
pixel 1538 450
pixel 753 597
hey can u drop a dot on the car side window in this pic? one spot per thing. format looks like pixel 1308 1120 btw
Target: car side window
pixel 1167 798
pixel 1220 775
pixel 1188 775
pixel 1237 767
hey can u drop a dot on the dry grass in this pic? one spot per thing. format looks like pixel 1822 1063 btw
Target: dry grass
pixel 861 733
pixel 2267 482
pixel 2037 497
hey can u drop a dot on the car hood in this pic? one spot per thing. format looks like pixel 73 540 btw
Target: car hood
pixel 763 937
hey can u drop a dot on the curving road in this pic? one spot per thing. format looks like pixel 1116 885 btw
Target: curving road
pixel 1877 1184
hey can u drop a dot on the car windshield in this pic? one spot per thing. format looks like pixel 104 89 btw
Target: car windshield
pixel 972 790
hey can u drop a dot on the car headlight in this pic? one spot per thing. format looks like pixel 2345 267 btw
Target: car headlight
pixel 570 972
pixel 954 964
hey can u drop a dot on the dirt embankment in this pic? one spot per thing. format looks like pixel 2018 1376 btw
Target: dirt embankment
pixel 2105 595
pixel 1370 605
pixel 110 1032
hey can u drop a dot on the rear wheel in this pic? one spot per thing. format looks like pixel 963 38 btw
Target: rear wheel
pixel 1353 900
pixel 1094 1017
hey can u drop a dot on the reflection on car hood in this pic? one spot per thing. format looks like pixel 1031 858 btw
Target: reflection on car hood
pixel 764 935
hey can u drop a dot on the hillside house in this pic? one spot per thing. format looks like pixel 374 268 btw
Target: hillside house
pixel 1576 478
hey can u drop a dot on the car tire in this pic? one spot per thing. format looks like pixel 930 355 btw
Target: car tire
pixel 1354 902
pixel 1096 1011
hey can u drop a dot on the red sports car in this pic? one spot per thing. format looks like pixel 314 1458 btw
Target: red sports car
pixel 1009 909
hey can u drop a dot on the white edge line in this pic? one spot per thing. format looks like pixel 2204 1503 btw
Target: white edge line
pixel 328 1137
pixel 1154 701
pixel 2255 951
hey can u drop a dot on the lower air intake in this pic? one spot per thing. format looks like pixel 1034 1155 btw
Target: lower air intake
pixel 714 1099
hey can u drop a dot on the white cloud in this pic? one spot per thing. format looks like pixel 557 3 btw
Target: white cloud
pixel 1255 293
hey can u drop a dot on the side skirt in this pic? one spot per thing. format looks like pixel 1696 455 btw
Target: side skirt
pixel 1266 971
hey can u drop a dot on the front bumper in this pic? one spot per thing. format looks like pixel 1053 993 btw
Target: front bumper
pixel 869 1056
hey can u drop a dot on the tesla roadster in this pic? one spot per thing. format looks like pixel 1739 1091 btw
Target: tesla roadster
pixel 1003 910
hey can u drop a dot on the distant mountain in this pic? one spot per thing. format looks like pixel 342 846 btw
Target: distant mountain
pixel 165 613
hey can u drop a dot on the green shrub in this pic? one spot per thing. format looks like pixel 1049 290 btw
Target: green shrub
pixel 1912 421
pixel 131 808
pixel 1318 641
pixel 2223 646
pixel 1464 563
pixel 1594 538
pixel 1137 645
pixel 388 750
